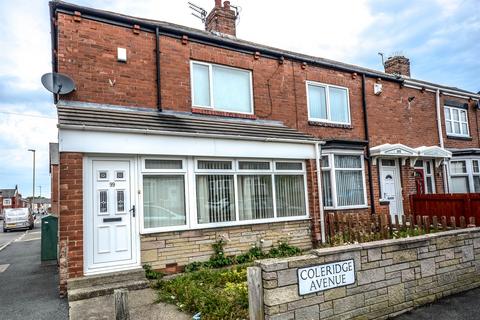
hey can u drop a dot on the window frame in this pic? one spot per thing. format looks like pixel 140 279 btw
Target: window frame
pixel 470 173
pixel 7 201
pixel 190 171
pixel 163 172
pixel 453 134
pixel 210 81
pixel 327 101
pixel 331 169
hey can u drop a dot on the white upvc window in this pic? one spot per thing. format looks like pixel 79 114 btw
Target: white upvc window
pixel 221 88
pixel 328 103
pixel 456 122
pixel 464 175
pixel 343 181
pixel 195 193
pixel 7 202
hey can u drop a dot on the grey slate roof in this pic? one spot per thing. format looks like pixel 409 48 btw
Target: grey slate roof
pixel 104 117
pixel 7 193
pixel 229 40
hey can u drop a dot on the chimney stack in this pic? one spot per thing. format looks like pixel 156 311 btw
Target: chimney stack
pixel 398 64
pixel 222 19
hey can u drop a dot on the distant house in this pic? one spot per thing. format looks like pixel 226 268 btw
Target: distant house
pixel 10 198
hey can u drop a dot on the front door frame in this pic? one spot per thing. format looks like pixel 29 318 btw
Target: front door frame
pixel 88 266
pixel 397 182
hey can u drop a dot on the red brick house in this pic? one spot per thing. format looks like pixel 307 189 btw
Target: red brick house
pixel 176 136
pixel 10 198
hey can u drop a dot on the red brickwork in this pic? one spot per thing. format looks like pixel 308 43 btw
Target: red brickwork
pixel 71 211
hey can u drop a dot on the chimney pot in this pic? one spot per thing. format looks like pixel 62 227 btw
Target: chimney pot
pixel 218 3
pixel 398 65
pixel 226 5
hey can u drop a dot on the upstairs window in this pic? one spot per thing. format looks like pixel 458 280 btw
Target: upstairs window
pixel 456 122
pixel 327 103
pixel 221 88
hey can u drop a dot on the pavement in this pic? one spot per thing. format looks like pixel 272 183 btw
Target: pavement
pixel 462 306
pixel 28 288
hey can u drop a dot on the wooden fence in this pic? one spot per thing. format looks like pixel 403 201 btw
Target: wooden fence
pixel 363 227
pixel 449 205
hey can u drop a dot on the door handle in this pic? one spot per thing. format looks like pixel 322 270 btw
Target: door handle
pixel 132 211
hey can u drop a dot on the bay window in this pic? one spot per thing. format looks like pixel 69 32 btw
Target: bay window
pixel 343 181
pixel 199 193
pixel 456 121
pixel 464 175
pixel 327 103
pixel 221 88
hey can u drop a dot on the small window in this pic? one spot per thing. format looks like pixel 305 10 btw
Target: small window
pixel 7 202
pixel 253 165
pixel 391 163
pixel 456 122
pixel 214 165
pixel 292 166
pixel 418 164
pixel 102 175
pixel 163 164
pixel 221 88
pixel 120 175
pixel 458 167
pixel 324 163
pixel 328 103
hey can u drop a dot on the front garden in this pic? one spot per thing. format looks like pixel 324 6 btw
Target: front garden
pixel 215 289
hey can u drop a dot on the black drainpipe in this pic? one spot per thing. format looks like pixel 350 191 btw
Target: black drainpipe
pixel 369 159
pixel 157 59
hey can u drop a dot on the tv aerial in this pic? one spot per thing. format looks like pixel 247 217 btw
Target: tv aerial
pixel 58 83
pixel 200 13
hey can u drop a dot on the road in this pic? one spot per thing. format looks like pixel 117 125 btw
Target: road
pixel 28 288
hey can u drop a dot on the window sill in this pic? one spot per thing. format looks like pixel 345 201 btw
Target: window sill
pixel 345 208
pixel 224 225
pixel 329 124
pixel 465 138
pixel 212 112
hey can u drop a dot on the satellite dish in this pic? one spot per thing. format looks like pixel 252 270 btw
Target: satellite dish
pixel 58 83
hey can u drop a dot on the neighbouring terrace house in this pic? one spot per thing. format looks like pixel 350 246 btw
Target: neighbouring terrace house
pixel 175 137
pixel 10 198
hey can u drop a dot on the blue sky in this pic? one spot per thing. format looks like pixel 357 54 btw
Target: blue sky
pixel 441 38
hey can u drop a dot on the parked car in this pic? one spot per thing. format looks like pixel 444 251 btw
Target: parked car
pixel 19 218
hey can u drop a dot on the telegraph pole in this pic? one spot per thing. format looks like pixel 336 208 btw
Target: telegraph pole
pixel 33 189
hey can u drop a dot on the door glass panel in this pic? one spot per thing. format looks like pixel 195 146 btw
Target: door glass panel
pixel 120 201
pixel 103 201
pixel 388 162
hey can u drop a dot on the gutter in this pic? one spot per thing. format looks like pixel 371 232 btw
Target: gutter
pixel 432 88
pixel 440 139
pixel 367 135
pixel 182 134
pixel 128 22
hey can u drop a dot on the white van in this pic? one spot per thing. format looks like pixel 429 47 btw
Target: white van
pixel 19 218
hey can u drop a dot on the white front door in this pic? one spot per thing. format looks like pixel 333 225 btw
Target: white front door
pixel 390 184
pixel 111 231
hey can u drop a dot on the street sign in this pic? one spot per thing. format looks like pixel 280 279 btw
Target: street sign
pixel 325 276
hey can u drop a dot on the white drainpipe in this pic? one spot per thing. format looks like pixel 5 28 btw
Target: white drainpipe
pixel 440 137
pixel 319 188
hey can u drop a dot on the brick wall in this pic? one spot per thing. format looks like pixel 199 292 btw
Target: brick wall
pixel 54 182
pixel 392 277
pixel 170 251
pixel 71 215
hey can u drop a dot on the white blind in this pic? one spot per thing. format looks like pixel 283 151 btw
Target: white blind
pixel 255 200
pixel 338 105
pixel 164 201
pixel 327 189
pixel 163 164
pixel 253 165
pixel 201 85
pixel 290 195
pixel 317 102
pixel 349 188
pixel 214 165
pixel 215 198
pixel 231 89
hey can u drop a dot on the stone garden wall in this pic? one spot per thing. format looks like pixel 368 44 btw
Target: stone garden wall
pixel 391 277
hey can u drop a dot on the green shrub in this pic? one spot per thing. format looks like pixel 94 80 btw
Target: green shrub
pixel 151 274
pixel 217 294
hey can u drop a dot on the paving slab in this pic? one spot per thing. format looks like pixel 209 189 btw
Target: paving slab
pixel 142 307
